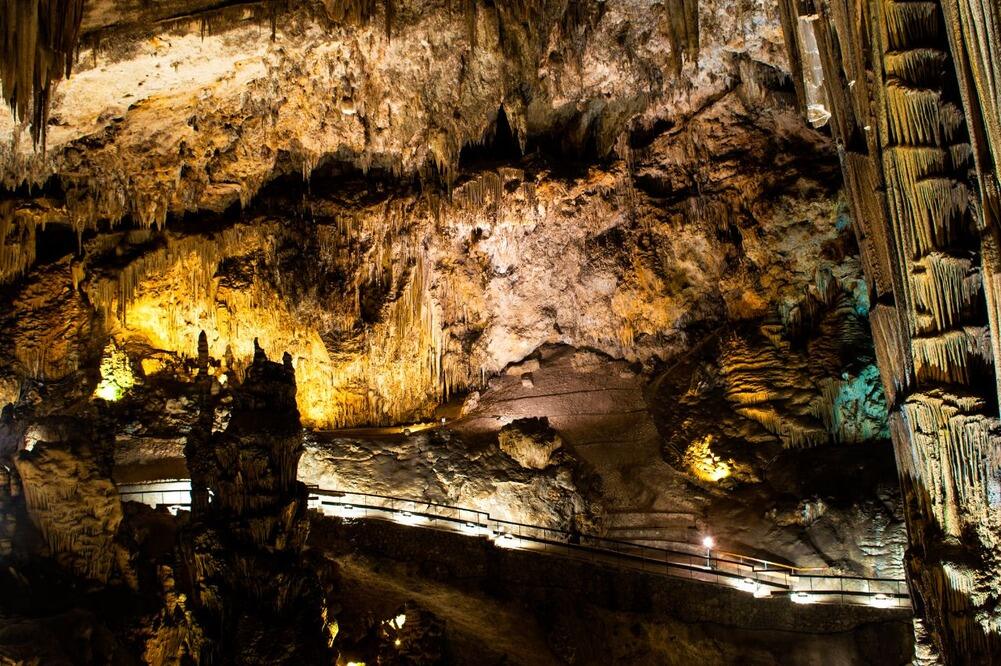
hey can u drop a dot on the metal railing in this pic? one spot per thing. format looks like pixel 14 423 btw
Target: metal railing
pixel 753 575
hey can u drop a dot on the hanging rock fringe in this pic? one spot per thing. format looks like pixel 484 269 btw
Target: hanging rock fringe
pixel 37 43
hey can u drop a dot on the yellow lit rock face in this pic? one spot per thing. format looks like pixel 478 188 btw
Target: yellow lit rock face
pixel 703 463
pixel 116 374
pixel 391 302
pixel 376 373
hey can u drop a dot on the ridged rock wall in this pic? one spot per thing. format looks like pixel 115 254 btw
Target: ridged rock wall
pixel 392 298
pixel 71 499
pixel 191 106
pixel 914 111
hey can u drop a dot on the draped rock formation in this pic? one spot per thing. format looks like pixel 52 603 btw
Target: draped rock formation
pixel 70 498
pixel 458 220
pixel 914 109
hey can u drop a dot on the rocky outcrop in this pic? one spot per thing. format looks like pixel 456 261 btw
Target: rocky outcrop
pixel 535 207
pixel 392 299
pixel 244 544
pixel 289 87
pixel 445 468
pixel 530 442
pixel 70 498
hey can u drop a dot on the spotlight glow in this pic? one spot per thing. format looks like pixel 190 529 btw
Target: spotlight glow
pixel 342 511
pixel 881 601
pixel 802 598
pixel 505 540
pixel 407 518
pixel 748 585
pixel 473 529
pixel 708 542
pixel 116 374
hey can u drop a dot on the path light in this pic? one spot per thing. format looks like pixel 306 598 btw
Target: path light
pixel 472 528
pixel 881 601
pixel 802 598
pixel 505 540
pixel 343 511
pixel 708 542
pixel 406 518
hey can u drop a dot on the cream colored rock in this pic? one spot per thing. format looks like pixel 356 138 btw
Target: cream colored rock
pixel 70 500
pixel 531 442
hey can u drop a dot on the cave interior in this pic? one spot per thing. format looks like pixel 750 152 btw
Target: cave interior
pixel 500 332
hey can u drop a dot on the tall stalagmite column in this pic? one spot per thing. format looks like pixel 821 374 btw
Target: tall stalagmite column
pixel 914 107
pixel 257 602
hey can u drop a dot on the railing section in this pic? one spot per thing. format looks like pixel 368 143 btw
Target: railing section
pixel 756 576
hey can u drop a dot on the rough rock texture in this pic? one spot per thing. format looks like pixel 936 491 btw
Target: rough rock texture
pixel 449 470
pixel 915 116
pixel 390 300
pixel 212 102
pixel 609 214
pixel 570 77
pixel 70 498
pixel 248 528
pixel 530 442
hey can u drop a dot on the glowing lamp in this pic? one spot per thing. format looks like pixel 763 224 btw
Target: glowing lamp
pixel 406 518
pixel 708 542
pixel 880 601
pixel 472 528
pixel 505 540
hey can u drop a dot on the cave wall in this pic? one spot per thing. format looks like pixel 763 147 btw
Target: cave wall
pixel 408 219
pixel 914 113
pixel 392 297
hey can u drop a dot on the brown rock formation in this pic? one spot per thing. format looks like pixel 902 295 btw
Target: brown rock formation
pixel 254 598
pixel 70 498
pixel 916 122
pixel 412 198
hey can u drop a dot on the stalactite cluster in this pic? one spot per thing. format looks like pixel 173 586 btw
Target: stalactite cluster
pixel 38 41
pixel 914 112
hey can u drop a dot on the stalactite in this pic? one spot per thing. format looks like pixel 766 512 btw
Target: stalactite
pixel 683 31
pixel 37 45
pixel 948 357
pixel 17 243
pixel 945 289
pixel 889 69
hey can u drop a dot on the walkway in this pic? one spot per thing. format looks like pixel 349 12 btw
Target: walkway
pixel 754 576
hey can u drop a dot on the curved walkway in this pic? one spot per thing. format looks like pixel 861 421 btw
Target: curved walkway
pixel 754 576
